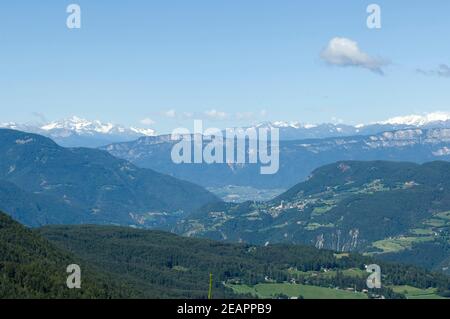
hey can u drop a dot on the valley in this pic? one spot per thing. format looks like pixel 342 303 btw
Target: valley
pixel 175 152
pixel 310 241
pixel 240 194
pixel 377 208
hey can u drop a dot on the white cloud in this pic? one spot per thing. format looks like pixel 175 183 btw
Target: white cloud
pixel 211 114
pixel 250 115
pixel 345 52
pixel 442 70
pixel 170 114
pixel 216 115
pixel 147 121
pixel 245 116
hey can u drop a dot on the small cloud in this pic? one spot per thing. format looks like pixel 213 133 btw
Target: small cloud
pixel 147 121
pixel 216 115
pixel 170 114
pixel 212 114
pixel 345 52
pixel 251 115
pixel 442 70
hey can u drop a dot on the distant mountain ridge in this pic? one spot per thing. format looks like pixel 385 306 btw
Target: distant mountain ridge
pixel 78 132
pixel 436 119
pixel 294 130
pixel 80 185
pixel 297 158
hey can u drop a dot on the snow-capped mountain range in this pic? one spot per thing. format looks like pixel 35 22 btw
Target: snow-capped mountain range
pixel 78 132
pixel 420 120
pixel 85 127
pixel 295 130
pixel 414 120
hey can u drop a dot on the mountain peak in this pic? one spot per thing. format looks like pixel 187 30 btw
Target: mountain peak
pixel 76 131
pixel 285 125
pixel 83 126
pixel 418 120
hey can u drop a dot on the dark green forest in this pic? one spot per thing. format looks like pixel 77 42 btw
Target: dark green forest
pixel 31 267
pixel 119 262
pixel 160 264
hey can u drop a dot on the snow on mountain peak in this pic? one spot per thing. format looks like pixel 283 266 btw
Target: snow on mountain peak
pixel 409 120
pixel 283 124
pixel 79 125
pixel 418 120
pixel 143 131
pixel 82 126
pixel 76 131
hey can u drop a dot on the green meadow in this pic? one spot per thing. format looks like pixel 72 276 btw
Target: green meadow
pixel 269 290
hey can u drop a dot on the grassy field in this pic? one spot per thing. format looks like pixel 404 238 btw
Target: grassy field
pixel 341 255
pixel 422 232
pixel 444 215
pixel 268 291
pixel 416 293
pixel 399 243
pixel 418 235
pixel 314 226
pixel 435 222
pixel 352 272
pixel 322 210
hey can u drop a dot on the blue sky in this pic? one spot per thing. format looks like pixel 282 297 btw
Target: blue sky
pixel 230 62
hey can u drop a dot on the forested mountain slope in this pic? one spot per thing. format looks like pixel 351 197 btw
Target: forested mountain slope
pixel 165 265
pixel 80 185
pixel 373 207
pixel 31 267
